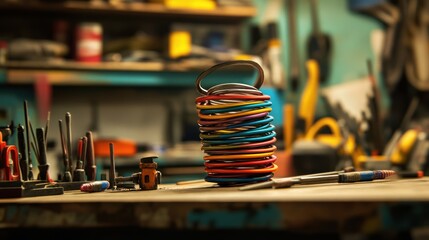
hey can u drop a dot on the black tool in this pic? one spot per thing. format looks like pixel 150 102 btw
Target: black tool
pixel 23 163
pixel 112 173
pixel 7 131
pixel 402 128
pixel 27 129
pixel 293 46
pixel 67 171
pixel 43 161
pixel 69 139
pixel 48 121
pixel 90 167
pixel 374 107
pixel 319 45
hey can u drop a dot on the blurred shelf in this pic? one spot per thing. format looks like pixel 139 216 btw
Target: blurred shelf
pixel 119 74
pixel 146 9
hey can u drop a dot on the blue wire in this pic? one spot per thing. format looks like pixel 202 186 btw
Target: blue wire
pixel 264 129
pixel 241 140
pixel 235 109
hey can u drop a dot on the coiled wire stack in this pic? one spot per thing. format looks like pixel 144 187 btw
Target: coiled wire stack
pixel 237 136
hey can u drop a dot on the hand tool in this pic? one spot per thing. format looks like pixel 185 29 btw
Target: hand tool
pixel 43 163
pixel 69 139
pixel 349 177
pixel 90 167
pixel 112 171
pixel 27 136
pixel 308 102
pixel 374 106
pixel 269 184
pixel 293 46
pixel 8 157
pixel 150 177
pixel 23 162
pixel 34 143
pixel 276 71
pixel 79 172
pixel 67 171
pixel 319 45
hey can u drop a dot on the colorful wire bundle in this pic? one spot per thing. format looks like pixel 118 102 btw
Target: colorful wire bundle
pixel 236 131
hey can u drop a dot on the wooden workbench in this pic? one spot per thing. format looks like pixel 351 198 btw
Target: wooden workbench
pixel 399 205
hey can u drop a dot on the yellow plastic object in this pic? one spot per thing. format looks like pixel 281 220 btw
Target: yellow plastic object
pixel 403 148
pixel 308 102
pixel 191 4
pixel 329 122
pixel 179 44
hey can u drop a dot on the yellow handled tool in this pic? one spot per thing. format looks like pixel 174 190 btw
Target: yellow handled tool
pixel 308 102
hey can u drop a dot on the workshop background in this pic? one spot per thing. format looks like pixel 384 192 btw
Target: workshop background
pixel 128 74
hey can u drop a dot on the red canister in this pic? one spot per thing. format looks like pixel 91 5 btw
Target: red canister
pixel 89 43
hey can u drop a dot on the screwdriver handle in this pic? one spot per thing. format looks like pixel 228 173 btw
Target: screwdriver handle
pixel 43 163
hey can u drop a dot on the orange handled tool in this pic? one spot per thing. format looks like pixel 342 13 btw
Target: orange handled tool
pixel 8 155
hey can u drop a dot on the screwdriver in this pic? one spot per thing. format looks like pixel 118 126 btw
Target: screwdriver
pixel 67 171
pixel 43 163
pixel 90 167
pixel 23 163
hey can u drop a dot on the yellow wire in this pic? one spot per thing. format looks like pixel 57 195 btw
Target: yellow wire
pixel 231 115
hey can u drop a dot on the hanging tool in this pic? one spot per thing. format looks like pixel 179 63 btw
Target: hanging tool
pixel 276 72
pixel 319 45
pixel 288 108
pixel 308 102
pixel 392 15
pixel 293 46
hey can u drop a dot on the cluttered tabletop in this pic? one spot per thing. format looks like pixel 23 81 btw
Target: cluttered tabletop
pixel 385 190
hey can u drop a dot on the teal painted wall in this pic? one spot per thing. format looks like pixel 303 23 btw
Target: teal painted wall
pixel 350 33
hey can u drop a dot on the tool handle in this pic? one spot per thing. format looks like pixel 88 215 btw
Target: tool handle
pixel 23 158
pixel 43 163
pixel 40 134
pixel 90 167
